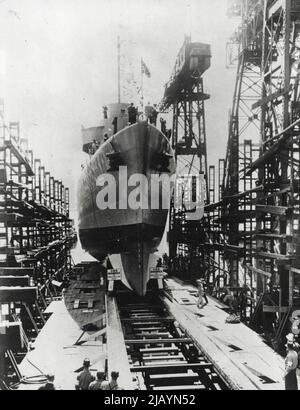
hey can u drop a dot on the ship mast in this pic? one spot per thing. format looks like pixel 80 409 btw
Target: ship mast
pixel 119 71
pixel 142 88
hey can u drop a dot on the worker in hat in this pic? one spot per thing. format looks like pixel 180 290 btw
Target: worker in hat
pixel 97 384
pixel 85 377
pixel 112 384
pixel 200 302
pixel 291 364
pixel 204 291
pixel 229 298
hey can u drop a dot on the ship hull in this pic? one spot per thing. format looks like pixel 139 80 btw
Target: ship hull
pixel 131 235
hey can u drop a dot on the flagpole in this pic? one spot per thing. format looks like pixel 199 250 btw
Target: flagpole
pixel 119 72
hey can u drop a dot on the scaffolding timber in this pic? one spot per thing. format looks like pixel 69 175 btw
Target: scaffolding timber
pixel 254 217
pixel 36 235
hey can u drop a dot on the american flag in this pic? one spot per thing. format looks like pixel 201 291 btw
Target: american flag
pixel 145 69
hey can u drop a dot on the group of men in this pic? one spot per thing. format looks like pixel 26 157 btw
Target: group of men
pixel 93 148
pixel 151 114
pixel 86 381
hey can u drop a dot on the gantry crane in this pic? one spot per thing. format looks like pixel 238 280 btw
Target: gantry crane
pixel 185 96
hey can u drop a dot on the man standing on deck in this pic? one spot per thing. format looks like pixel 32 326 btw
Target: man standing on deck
pixel 85 377
pixel 148 111
pixel 291 364
pixel 154 114
pixel 205 291
pixel 132 114
pixel 228 298
pixel 163 125
pixel 200 302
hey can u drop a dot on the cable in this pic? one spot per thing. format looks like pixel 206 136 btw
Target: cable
pixel 37 379
pixel 32 364
pixel 33 379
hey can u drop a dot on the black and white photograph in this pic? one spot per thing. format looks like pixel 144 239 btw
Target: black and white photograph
pixel 149 198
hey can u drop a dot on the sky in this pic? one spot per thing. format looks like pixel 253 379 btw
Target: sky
pixel 58 67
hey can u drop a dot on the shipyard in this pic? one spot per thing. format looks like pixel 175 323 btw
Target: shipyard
pixel 149 197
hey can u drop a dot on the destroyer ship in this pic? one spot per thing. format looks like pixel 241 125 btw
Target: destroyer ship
pixel 129 237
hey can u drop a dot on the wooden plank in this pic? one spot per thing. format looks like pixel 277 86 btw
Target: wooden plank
pixel 274 309
pixel 270 235
pixel 11 217
pixel 14 280
pixel 117 359
pixel 276 210
pixel 149 329
pixel 159 350
pixel 259 271
pixel 295 270
pixel 20 156
pixel 152 335
pixel 264 158
pixel 144 323
pixel 274 8
pixel 184 340
pixel 56 283
pixel 5 271
pixel 146 320
pixel 18 294
pixel 138 310
pixel 269 255
pixel 269 98
pixel 170 367
pixel 163 358
pixel 171 379
pixel 185 387
pixel 164 361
